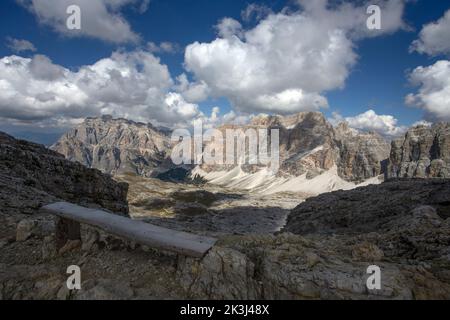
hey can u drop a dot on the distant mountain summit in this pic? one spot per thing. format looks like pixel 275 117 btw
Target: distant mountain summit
pixel 115 146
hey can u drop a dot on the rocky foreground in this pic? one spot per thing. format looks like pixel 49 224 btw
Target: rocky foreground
pixel 323 252
pixel 402 226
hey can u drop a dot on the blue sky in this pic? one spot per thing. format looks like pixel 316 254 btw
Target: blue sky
pixel 378 79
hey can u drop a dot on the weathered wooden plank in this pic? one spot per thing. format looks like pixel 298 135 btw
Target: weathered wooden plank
pixel 140 232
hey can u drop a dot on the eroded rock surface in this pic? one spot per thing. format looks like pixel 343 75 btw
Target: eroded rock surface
pixel 375 208
pixel 401 226
pixel 32 176
pixel 362 155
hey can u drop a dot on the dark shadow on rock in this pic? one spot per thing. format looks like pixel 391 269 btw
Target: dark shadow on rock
pixel 369 209
pixel 237 220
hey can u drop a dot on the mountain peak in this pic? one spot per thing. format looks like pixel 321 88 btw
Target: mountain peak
pixel 110 119
pixel 115 145
pixel 289 121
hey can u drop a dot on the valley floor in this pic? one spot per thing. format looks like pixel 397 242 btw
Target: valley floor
pixel 208 209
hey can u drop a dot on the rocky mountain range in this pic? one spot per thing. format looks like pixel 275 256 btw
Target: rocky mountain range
pixel 315 157
pixel 308 144
pixel 312 152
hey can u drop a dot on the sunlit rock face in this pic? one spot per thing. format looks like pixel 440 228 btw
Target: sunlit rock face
pixel 424 152
pixel 115 145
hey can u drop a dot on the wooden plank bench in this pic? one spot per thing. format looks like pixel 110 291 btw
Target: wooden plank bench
pixel 140 232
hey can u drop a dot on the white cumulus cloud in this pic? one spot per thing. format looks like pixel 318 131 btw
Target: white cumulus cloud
pixel 228 27
pixel 434 90
pixel 290 59
pixel 192 91
pixel 101 19
pixel 215 119
pixel 386 125
pixel 434 38
pixel 255 11
pixel 133 85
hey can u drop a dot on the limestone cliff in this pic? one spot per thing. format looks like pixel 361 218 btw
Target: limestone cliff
pixel 424 152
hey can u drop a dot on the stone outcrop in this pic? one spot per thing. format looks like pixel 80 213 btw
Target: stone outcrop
pixel 424 152
pixel 32 176
pixel 402 226
pixel 311 143
pixel 307 143
pixel 375 208
pixel 115 146
pixel 290 266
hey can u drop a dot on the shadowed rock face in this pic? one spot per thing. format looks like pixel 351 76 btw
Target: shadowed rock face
pixel 424 152
pixel 31 176
pixel 115 145
pixel 375 208
pixel 357 155
pixel 401 225
pixel 307 132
